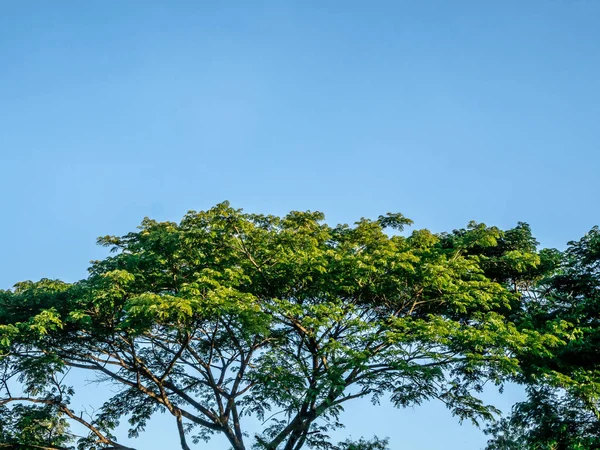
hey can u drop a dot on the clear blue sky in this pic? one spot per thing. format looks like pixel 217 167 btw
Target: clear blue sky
pixel 445 111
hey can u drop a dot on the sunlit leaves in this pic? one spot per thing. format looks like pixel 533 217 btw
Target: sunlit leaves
pixel 227 314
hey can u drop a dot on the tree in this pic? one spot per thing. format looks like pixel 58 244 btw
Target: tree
pixel 550 419
pixel 288 319
pixel 562 411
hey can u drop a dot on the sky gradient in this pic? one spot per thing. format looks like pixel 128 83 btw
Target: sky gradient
pixel 444 111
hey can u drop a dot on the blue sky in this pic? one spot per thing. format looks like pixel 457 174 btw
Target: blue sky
pixel 444 111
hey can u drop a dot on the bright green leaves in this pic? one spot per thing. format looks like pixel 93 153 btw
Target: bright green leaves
pixel 288 318
pixel 508 257
pixel 145 311
pixel 422 240
pixel 117 280
pixel 46 321
pixel 32 311
pixel 80 317
pixel 477 235
pixel 7 334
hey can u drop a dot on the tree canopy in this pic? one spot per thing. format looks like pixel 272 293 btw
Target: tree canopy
pixel 562 409
pixel 227 314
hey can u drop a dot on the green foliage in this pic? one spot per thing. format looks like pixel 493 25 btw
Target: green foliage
pixel 33 427
pixel 562 409
pixel 228 314
pixel 548 420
